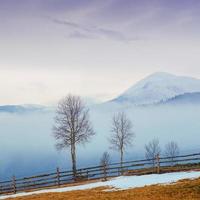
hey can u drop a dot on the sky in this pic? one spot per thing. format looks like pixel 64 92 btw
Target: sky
pixel 93 48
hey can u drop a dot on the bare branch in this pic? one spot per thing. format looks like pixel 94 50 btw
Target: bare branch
pixel 152 149
pixel 171 150
pixel 105 159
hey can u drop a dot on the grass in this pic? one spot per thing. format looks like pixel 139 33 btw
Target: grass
pixel 165 169
pixel 183 190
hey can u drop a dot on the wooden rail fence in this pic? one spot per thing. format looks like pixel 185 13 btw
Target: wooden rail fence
pixel 136 167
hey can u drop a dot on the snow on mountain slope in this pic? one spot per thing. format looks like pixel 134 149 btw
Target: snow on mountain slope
pixel 159 87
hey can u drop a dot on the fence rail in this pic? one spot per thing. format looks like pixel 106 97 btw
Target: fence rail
pixel 135 167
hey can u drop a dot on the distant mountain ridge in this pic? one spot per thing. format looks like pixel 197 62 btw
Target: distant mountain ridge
pixel 187 98
pixel 159 88
pixel 21 108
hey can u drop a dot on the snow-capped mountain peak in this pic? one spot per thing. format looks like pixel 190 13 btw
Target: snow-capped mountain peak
pixel 159 87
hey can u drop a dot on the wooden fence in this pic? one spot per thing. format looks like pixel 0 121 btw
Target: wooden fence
pixel 136 167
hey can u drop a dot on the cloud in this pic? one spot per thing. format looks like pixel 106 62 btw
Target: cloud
pixel 66 23
pixel 80 35
pixel 91 32
pixel 116 35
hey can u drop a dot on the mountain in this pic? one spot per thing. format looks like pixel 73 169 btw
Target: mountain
pixel 21 108
pixel 159 88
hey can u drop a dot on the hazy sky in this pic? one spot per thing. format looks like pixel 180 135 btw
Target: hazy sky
pixel 94 48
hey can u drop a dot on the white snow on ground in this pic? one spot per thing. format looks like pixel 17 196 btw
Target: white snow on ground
pixel 122 182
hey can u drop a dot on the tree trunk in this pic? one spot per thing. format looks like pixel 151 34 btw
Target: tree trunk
pixel 121 160
pixel 73 155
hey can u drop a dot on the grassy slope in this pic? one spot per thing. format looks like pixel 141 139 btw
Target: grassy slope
pixel 184 190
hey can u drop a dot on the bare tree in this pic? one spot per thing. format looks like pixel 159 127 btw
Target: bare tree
pixel 105 159
pixel 72 125
pixel 171 150
pixel 104 162
pixel 122 134
pixel 152 149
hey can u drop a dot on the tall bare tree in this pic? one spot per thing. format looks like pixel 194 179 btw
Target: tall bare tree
pixel 152 149
pixel 72 125
pixel 122 134
pixel 171 150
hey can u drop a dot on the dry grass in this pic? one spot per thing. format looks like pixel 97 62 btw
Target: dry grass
pixel 182 190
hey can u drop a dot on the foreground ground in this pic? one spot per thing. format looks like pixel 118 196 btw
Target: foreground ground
pixel 184 190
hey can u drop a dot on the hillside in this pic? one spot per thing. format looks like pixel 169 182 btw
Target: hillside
pixel 187 189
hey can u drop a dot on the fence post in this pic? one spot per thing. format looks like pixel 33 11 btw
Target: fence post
pixel 58 176
pixel 158 163
pixel 14 184
pixel 122 171
pixel 104 172
pixel 87 172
